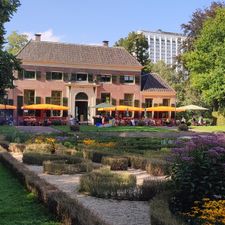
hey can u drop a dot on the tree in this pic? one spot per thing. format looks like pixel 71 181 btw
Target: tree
pixel 206 62
pixel 137 45
pixel 16 42
pixel 8 62
pixel 193 28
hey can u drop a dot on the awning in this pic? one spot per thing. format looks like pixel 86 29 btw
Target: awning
pixel 163 109
pixel 44 107
pixel 192 107
pixel 2 107
pixel 122 108
pixel 103 105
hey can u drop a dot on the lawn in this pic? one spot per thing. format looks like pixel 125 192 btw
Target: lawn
pixel 208 128
pixel 18 207
pixel 85 128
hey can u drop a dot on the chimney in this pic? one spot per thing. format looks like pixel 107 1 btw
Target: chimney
pixel 105 43
pixel 37 37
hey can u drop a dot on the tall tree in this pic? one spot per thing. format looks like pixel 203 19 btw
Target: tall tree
pixel 193 28
pixel 8 62
pixel 137 45
pixel 206 62
pixel 16 42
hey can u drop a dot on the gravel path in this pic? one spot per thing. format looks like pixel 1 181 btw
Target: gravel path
pixel 112 211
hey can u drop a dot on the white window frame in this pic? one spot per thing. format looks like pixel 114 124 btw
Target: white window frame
pixel 82 80
pixel 129 83
pixel 106 82
pixel 35 75
pixel 29 90
pixel 57 72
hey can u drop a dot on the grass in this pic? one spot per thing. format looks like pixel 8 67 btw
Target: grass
pixel 208 128
pixel 18 207
pixel 85 128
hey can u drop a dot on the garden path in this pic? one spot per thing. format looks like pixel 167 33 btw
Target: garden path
pixel 112 211
pixel 38 129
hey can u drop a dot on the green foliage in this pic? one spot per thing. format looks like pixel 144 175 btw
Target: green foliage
pixel 105 184
pixel 219 117
pixel 20 207
pixel 206 62
pixel 8 62
pixel 16 42
pixel 115 163
pixel 136 45
pixel 60 167
pixel 183 127
pixel 160 212
pixel 38 158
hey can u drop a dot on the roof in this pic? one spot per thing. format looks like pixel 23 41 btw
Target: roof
pixel 153 82
pixel 76 54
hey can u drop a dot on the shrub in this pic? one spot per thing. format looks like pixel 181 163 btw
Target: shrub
pixel 105 184
pixel 160 212
pixel 56 122
pixel 137 162
pixel 59 167
pixel 115 163
pixel 68 144
pixel 17 137
pixel 95 156
pixel 39 148
pixel 158 167
pixel 197 171
pixel 38 159
pixel 75 128
pixel 183 127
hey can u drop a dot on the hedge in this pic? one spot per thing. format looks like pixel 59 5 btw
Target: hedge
pixel 38 158
pixel 60 167
pixel 115 163
pixel 158 167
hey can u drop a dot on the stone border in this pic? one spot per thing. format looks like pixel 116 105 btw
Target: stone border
pixel 68 210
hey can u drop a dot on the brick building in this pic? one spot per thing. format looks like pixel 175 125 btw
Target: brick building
pixel 81 76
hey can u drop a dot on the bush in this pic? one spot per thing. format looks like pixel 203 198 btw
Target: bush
pixel 137 162
pixel 158 167
pixel 17 137
pixel 38 159
pixel 59 167
pixel 105 184
pixel 39 148
pixel 95 156
pixel 115 163
pixel 183 127
pixel 160 212
pixel 197 171
pixel 141 123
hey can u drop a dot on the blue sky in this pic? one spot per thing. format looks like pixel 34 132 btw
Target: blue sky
pixel 91 21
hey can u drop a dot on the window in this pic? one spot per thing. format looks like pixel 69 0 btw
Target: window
pixel 128 99
pixel 56 97
pixel 56 76
pixel 128 79
pixel 29 96
pixel 105 97
pixel 73 77
pixel 166 102
pixel 29 74
pixel 148 102
pixel 105 78
pixel 81 77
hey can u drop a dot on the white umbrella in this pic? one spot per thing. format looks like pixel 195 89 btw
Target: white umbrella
pixel 192 108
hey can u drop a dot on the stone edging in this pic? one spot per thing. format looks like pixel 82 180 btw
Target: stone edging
pixel 68 210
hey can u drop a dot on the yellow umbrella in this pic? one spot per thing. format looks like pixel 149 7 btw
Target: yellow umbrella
pixel 2 106
pixel 44 107
pixel 121 108
pixel 163 109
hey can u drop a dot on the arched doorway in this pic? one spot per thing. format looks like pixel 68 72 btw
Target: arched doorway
pixel 81 106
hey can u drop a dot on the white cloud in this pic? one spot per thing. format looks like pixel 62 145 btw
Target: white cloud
pixel 45 36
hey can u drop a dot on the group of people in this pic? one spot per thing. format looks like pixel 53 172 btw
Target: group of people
pixel 194 121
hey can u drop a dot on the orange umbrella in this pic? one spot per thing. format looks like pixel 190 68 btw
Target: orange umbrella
pixel 163 109
pixel 121 108
pixel 45 107
pixel 2 106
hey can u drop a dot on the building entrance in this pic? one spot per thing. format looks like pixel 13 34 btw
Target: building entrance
pixel 81 106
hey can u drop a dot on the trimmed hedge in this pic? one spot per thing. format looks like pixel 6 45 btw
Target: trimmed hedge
pixel 60 167
pixel 39 148
pixel 105 184
pixel 95 156
pixel 115 163
pixel 158 167
pixel 38 158
pixel 137 162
